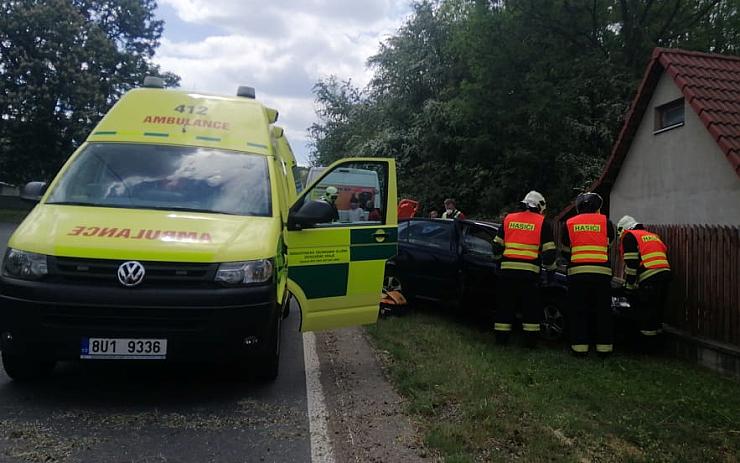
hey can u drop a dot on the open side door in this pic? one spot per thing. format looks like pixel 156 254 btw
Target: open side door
pixel 340 232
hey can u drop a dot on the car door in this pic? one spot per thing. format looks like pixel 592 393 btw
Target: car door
pixel 336 263
pixel 430 259
pixel 478 266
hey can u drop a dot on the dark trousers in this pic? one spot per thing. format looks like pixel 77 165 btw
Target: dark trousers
pixel 515 295
pixel 591 320
pixel 650 301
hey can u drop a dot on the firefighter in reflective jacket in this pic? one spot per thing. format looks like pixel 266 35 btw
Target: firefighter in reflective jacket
pixel 524 243
pixel 585 244
pixel 647 275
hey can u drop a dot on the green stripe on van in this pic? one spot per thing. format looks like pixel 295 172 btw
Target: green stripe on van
pixel 156 134
pixel 105 132
pixel 374 235
pixel 327 280
pixel 207 138
pixel 373 252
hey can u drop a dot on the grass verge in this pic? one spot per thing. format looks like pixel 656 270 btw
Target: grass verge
pixel 12 215
pixel 476 401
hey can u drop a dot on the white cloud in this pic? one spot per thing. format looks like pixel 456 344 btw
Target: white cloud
pixel 281 48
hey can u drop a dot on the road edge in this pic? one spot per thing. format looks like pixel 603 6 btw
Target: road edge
pixel 321 449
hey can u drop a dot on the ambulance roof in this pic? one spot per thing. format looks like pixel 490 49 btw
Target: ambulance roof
pixel 176 117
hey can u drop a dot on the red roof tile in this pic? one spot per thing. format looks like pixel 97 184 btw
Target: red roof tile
pixel 711 86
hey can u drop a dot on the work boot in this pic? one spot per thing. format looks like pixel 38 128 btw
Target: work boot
pixel 604 350
pixel 651 345
pixel 530 340
pixel 579 350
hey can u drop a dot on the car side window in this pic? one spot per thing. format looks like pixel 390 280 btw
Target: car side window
pixel 430 234
pixel 403 231
pixel 478 241
pixel 356 192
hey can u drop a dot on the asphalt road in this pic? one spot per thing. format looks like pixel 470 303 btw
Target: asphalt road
pixel 150 413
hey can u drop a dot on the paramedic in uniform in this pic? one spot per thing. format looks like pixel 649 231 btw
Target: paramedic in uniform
pixel 451 211
pixel 330 196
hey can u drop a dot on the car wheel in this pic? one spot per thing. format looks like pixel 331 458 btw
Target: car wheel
pixel 269 365
pixel 26 368
pixel 392 283
pixel 553 322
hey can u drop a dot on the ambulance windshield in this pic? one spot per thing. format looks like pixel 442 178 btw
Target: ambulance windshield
pixel 177 178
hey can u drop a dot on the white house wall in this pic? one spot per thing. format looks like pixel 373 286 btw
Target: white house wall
pixel 676 177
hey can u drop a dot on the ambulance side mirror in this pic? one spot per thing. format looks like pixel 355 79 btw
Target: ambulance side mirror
pixel 309 214
pixel 33 191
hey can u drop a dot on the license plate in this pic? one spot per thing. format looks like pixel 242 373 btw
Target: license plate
pixel 123 349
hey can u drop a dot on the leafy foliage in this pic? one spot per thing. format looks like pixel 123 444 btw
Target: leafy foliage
pixel 486 100
pixel 63 63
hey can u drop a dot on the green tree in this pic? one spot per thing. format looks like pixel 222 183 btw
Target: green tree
pixel 63 63
pixel 484 100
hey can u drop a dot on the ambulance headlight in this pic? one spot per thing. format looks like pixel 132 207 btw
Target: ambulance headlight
pixel 24 265
pixel 244 273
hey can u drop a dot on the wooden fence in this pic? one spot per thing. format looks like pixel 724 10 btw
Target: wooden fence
pixel 705 293
pixel 704 299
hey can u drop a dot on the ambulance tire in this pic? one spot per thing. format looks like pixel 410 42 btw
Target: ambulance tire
pixel 286 306
pixel 268 365
pixel 26 368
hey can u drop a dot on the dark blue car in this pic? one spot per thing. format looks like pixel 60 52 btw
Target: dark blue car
pixel 450 262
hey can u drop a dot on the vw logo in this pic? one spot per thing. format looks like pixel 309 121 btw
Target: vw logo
pixel 131 273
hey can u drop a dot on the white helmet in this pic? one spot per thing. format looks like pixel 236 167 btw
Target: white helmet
pixel 626 223
pixel 331 193
pixel 535 200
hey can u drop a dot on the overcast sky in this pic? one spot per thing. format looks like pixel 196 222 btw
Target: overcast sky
pixel 281 48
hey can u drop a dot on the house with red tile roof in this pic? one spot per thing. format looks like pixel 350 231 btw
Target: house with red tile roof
pixel 677 158
pixel 675 167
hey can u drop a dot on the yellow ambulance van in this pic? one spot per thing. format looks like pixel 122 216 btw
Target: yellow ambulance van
pixel 176 232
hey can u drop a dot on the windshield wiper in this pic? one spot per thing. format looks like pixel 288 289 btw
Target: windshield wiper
pixel 79 203
pixel 184 209
pixel 140 206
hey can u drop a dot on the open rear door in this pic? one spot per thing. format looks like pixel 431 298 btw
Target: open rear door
pixel 336 256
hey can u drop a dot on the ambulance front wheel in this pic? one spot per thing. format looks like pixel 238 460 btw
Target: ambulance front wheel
pixel 268 365
pixel 26 368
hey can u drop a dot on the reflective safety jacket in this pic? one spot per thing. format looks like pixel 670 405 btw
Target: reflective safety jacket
pixel 454 215
pixel 524 243
pixel 588 244
pixel 645 255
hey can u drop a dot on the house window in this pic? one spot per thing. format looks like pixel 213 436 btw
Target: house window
pixel 669 115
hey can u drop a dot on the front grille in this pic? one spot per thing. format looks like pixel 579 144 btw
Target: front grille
pixel 125 319
pixel 105 272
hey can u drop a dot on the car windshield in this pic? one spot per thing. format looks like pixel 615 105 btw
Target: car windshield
pixel 176 178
